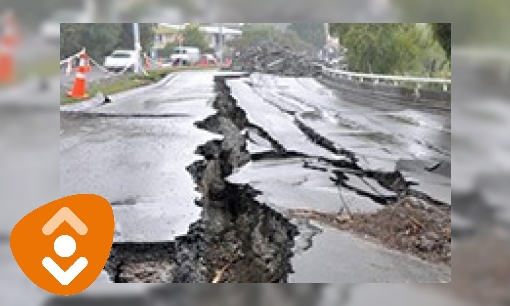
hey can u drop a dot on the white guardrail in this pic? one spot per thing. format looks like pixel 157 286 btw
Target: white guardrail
pixel 396 80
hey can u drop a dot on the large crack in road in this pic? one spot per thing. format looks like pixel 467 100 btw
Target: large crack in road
pixel 237 239
pixel 246 234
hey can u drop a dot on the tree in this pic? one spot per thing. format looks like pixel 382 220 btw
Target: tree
pixel 126 39
pixel 168 49
pixel 194 37
pixel 390 48
pixel 70 39
pixel 100 39
pixel 443 34
pixel 311 33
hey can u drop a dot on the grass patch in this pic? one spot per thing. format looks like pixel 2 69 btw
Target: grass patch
pixel 112 87
pixel 127 82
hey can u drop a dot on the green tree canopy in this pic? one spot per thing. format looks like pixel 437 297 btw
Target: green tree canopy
pixel 126 40
pixel 443 34
pixel 391 48
pixel 194 37
pixel 100 39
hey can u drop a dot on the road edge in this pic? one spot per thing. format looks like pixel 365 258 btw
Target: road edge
pixel 98 99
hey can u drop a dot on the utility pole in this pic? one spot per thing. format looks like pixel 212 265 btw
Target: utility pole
pixel 181 41
pixel 138 47
pixel 221 44
pixel 326 30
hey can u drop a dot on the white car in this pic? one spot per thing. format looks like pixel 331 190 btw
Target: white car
pixel 185 56
pixel 121 60
pixel 50 29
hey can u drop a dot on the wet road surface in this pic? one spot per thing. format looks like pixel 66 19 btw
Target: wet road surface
pixel 139 164
pixel 134 152
pixel 383 136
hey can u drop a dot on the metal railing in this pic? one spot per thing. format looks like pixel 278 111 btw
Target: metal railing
pixel 395 80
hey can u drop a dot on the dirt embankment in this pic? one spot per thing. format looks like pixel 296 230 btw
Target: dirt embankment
pixel 411 225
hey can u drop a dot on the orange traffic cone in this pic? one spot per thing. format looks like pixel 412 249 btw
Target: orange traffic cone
pixel 204 62
pixel 8 41
pixel 79 90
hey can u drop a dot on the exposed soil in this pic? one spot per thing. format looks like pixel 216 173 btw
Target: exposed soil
pixel 410 226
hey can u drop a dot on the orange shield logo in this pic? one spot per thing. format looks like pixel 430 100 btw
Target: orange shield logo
pixel 63 246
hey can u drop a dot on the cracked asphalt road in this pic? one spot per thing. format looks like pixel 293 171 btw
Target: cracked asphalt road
pixel 134 152
pixel 139 163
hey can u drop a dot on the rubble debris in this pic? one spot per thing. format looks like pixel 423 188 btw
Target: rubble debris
pixel 141 262
pixel 411 225
pixel 272 58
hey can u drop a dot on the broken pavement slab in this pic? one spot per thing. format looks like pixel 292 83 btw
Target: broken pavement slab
pixel 286 184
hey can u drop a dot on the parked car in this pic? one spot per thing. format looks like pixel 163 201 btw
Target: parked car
pixel 186 56
pixel 120 60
